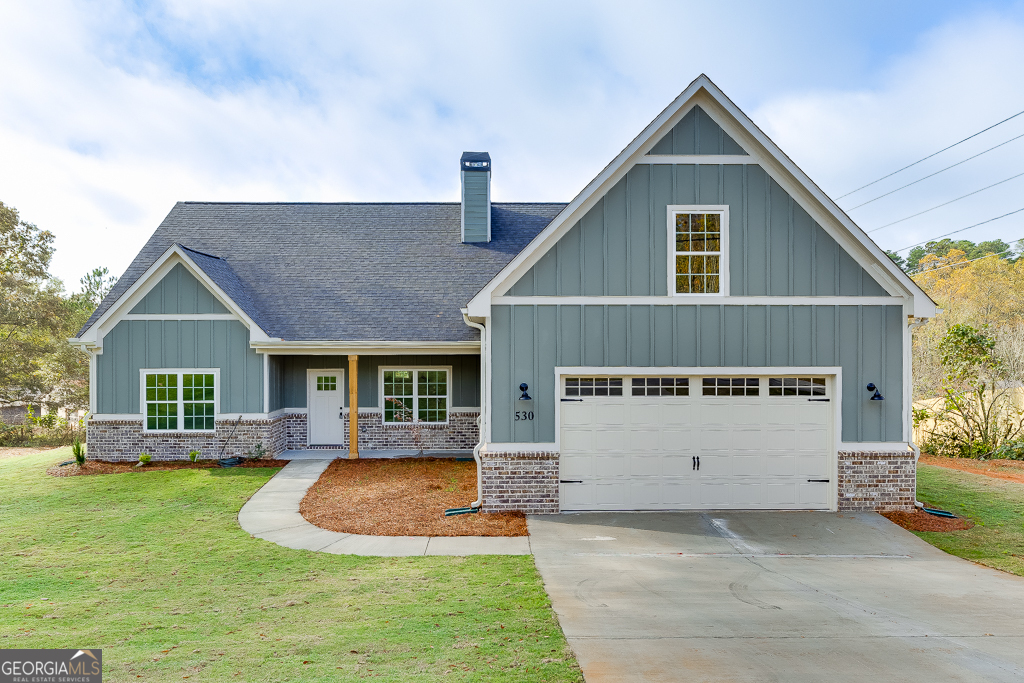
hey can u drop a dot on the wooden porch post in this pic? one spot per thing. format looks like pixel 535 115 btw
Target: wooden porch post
pixel 353 406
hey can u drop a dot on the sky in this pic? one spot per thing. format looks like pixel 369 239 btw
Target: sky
pixel 110 112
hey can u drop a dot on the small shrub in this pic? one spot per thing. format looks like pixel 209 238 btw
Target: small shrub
pixel 78 450
pixel 258 452
pixel 194 455
pixel 1013 450
pixel 145 457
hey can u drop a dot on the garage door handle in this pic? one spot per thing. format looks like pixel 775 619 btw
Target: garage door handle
pixel 696 462
pixel 572 399
pixel 570 481
pixel 818 481
pixel 818 399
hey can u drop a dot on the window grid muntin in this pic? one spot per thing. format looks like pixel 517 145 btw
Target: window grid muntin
pixel 415 396
pixel 661 386
pixel 327 383
pixel 797 386
pixel 179 400
pixel 698 238
pixel 730 386
pixel 593 386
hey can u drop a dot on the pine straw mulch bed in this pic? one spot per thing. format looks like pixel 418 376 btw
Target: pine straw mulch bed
pixel 106 467
pixel 1011 470
pixel 922 521
pixel 403 497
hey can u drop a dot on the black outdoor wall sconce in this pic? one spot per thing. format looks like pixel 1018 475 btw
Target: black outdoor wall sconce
pixel 878 395
pixel 523 387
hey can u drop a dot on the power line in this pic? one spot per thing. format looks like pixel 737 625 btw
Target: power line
pixel 931 155
pixel 932 239
pixel 960 263
pixel 939 206
pixel 937 172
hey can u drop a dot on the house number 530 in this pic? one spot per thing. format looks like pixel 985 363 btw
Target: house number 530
pixel 524 415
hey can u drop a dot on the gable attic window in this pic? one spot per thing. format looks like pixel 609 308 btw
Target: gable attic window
pixel 698 248
pixel 179 400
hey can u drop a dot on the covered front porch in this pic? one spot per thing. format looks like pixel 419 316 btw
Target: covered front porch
pixel 374 404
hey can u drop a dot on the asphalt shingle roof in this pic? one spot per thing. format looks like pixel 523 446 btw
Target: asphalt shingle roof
pixel 343 272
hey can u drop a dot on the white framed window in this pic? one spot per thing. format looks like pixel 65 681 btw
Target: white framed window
pixel 415 395
pixel 180 400
pixel 698 250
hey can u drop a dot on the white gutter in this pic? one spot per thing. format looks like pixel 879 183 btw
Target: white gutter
pixel 482 419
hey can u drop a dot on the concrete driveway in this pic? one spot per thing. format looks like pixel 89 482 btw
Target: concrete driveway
pixel 773 596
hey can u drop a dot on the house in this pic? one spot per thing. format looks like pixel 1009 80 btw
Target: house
pixel 701 327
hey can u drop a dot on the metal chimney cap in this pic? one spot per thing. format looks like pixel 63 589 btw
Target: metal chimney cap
pixel 475 161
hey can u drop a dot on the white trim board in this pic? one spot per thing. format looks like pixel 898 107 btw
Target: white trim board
pixel 698 159
pixel 179 316
pixel 698 300
pixel 367 348
pixel 762 150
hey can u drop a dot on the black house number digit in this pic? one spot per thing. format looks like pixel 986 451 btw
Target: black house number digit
pixel 524 415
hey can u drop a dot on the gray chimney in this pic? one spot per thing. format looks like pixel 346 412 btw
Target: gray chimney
pixel 476 196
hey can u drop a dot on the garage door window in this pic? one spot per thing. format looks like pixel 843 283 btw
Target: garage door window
pixel 796 386
pixel 661 386
pixel 731 386
pixel 593 386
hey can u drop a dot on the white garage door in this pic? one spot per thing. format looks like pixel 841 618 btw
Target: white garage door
pixel 712 442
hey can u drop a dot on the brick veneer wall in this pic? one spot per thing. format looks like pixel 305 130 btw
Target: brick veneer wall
pixel 877 480
pixel 461 433
pixel 520 481
pixel 123 440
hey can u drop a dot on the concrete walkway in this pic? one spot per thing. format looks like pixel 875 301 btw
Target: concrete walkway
pixel 273 515
pixel 773 596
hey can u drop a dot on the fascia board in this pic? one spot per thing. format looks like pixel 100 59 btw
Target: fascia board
pixel 835 222
pixel 369 348
pixel 479 305
pixel 93 337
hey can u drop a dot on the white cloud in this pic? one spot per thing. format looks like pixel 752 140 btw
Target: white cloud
pixel 109 115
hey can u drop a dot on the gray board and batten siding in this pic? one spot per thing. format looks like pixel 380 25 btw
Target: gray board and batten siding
pixel 136 344
pixel 133 345
pixel 529 341
pixel 620 247
pixel 697 133
pixel 179 292
pixel 288 377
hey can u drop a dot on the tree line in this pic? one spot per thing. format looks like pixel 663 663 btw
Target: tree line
pixel 37 316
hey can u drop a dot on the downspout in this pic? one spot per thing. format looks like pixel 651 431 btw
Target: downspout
pixel 482 420
pixel 916 322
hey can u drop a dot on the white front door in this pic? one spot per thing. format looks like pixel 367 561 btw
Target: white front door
pixel 326 400
pixel 706 441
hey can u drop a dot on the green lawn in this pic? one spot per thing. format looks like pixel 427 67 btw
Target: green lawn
pixel 153 568
pixel 995 506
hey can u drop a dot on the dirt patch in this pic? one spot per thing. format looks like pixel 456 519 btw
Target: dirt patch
pixel 1010 470
pixel 403 497
pixel 922 521
pixel 104 467
pixel 16 451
